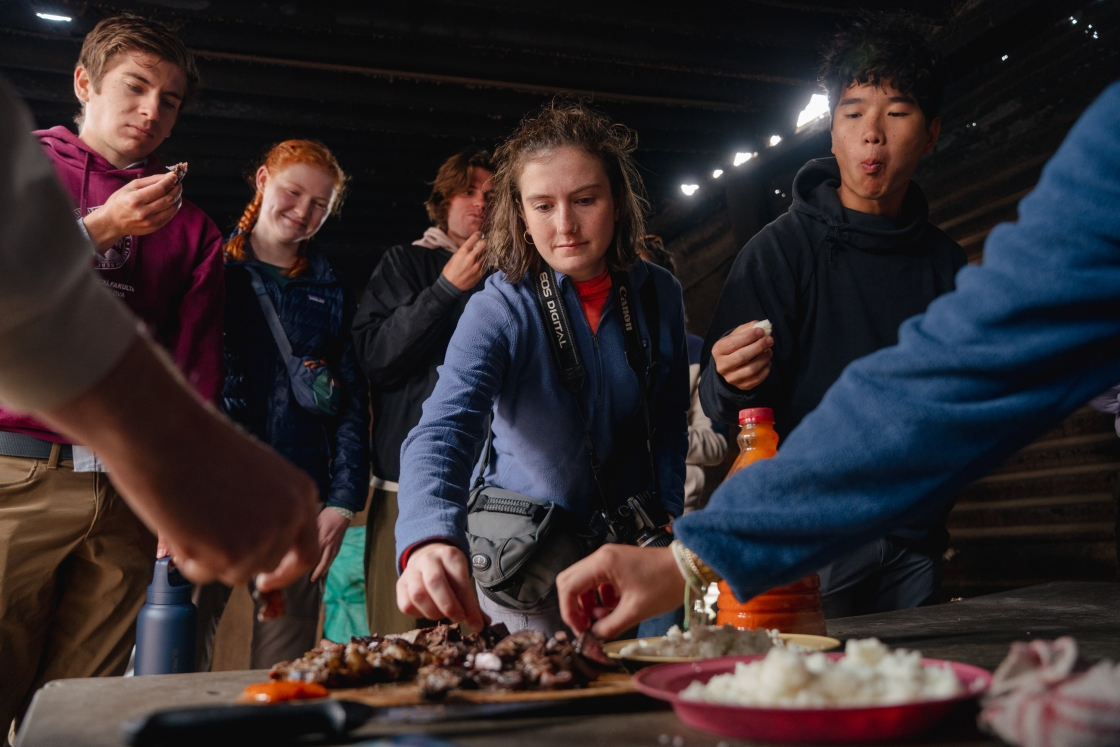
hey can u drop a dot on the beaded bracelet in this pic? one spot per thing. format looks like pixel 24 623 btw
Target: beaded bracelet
pixel 343 512
pixel 695 571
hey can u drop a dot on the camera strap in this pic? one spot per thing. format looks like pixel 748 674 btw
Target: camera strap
pixel 561 341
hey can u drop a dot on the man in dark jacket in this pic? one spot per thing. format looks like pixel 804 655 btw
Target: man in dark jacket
pixel 835 276
pixel 404 322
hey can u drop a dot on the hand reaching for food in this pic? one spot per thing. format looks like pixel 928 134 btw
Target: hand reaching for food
pixel 141 207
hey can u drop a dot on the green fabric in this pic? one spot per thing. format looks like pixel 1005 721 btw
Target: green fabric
pixel 276 273
pixel 344 598
pixel 326 391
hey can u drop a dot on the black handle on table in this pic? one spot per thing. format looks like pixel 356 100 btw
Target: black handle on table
pixel 245 724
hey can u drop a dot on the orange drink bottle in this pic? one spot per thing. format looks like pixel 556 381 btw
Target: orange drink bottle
pixel 791 609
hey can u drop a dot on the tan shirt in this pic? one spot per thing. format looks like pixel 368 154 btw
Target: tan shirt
pixel 706 448
pixel 60 330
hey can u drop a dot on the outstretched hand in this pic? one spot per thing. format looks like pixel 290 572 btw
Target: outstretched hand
pixel 643 582
pixel 437 584
pixel 225 505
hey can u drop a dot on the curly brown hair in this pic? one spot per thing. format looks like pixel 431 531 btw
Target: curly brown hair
pixel 564 124
pixel 454 178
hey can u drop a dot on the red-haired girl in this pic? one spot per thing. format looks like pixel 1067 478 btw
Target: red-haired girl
pixel 308 401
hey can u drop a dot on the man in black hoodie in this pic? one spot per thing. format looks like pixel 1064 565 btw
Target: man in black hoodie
pixel 401 330
pixel 853 258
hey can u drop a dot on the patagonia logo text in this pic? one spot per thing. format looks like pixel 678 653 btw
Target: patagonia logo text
pixel 316 299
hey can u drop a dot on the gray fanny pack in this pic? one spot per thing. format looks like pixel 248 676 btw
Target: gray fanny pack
pixel 519 544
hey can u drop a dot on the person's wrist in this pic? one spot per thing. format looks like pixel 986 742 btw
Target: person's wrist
pixel 424 548
pixel 695 571
pixel 343 512
pixel 450 290
pixel 101 229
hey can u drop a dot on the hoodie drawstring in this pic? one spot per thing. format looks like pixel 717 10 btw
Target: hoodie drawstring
pixel 832 239
pixel 84 201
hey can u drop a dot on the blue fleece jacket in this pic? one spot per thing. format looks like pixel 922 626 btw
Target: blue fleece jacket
pixel 499 360
pixel 1025 339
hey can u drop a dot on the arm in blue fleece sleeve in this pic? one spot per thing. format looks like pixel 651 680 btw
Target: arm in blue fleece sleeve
pixel 437 457
pixel 1025 339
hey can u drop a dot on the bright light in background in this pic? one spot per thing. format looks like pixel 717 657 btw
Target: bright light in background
pixel 741 158
pixel 690 189
pixel 817 108
pixel 717 173
pixel 1004 58
pixel 53 17
pixel 774 140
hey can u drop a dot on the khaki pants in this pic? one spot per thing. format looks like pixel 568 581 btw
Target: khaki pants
pixel 381 567
pixel 287 637
pixel 75 563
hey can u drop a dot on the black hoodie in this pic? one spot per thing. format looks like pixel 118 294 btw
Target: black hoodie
pixel 401 331
pixel 836 284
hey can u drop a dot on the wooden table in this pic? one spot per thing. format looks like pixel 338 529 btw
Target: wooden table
pixel 88 713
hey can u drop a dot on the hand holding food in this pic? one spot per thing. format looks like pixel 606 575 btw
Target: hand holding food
pixel 437 584
pixel 743 356
pixel 646 581
pixel 467 266
pixel 141 207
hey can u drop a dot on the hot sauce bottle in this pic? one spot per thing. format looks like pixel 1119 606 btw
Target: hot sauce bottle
pixel 791 609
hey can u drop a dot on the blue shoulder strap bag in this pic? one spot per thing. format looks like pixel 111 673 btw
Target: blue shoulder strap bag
pixel 314 384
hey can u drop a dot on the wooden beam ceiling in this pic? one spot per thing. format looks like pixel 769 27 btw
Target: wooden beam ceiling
pixel 395 88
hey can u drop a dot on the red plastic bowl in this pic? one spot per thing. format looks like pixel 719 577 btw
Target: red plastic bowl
pixel 665 681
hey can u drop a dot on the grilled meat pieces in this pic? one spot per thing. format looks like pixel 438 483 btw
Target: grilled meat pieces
pixel 180 171
pixel 272 604
pixel 442 660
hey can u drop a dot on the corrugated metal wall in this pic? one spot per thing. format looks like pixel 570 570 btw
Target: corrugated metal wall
pixel 1051 511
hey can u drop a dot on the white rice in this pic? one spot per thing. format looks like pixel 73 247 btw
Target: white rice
pixel 765 326
pixel 869 674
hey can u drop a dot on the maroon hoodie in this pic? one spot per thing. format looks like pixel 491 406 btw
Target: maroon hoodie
pixel 171 279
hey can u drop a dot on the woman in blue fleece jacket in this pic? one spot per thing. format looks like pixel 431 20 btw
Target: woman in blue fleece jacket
pixel 1026 338
pixel 566 194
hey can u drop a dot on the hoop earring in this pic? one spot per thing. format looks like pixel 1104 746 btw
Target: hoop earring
pixel 528 238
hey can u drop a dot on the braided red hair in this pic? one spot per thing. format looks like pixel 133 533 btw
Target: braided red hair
pixel 281 156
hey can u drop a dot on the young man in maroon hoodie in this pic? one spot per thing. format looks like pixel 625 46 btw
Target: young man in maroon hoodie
pixel 76 560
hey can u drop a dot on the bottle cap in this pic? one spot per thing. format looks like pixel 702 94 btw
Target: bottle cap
pixel 168 585
pixel 756 415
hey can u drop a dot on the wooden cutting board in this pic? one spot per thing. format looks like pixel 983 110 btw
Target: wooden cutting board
pixel 406 693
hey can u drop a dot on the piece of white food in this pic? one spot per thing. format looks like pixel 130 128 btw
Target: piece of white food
pixel 765 326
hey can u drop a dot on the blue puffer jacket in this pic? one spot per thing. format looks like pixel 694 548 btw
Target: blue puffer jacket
pixel 316 311
pixel 499 360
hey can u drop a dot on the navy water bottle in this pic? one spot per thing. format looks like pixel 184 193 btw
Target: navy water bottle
pixel 165 627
